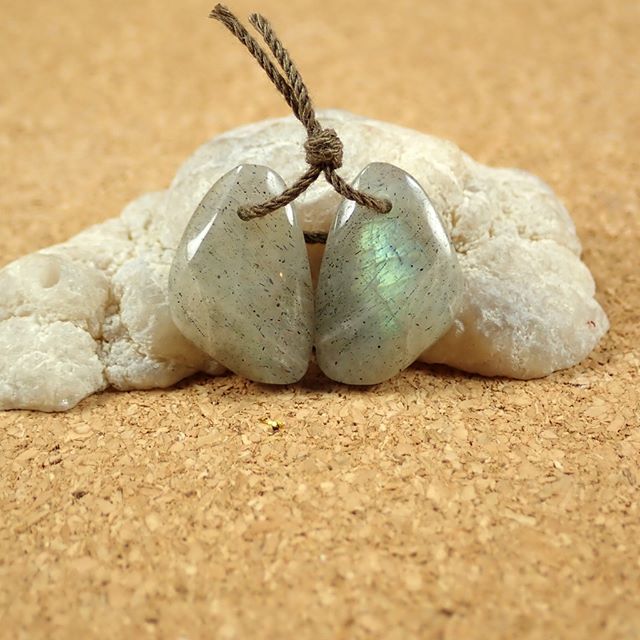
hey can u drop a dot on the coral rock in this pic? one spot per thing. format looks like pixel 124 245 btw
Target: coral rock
pixel 93 311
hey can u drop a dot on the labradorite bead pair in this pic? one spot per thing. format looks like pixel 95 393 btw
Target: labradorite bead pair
pixel 389 284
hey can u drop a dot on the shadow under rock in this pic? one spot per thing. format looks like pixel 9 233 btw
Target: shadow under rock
pixel 446 373
pixel 314 381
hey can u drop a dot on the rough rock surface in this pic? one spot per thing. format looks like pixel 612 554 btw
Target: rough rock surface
pixel 93 311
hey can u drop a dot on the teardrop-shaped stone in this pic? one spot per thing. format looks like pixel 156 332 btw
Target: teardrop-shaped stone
pixel 241 290
pixel 389 284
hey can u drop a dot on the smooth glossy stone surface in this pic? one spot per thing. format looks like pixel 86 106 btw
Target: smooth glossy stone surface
pixel 390 284
pixel 241 290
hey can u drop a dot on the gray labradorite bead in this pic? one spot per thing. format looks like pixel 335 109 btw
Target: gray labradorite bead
pixel 389 285
pixel 241 290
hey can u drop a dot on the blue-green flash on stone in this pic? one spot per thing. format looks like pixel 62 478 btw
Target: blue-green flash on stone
pixel 389 284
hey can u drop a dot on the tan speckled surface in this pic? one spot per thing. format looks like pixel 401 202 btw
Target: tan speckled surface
pixel 437 505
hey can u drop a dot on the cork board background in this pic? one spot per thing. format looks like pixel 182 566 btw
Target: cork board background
pixel 436 505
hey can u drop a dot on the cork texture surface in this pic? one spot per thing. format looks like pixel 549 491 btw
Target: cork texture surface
pixel 435 505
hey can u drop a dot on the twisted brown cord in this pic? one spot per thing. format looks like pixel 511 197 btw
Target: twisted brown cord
pixel 323 147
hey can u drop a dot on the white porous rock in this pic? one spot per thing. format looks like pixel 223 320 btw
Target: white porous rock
pixel 92 312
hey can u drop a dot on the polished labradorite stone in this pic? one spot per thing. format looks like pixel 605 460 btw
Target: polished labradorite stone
pixel 389 285
pixel 241 290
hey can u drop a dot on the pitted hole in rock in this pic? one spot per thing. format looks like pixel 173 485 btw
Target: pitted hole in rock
pixel 48 272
